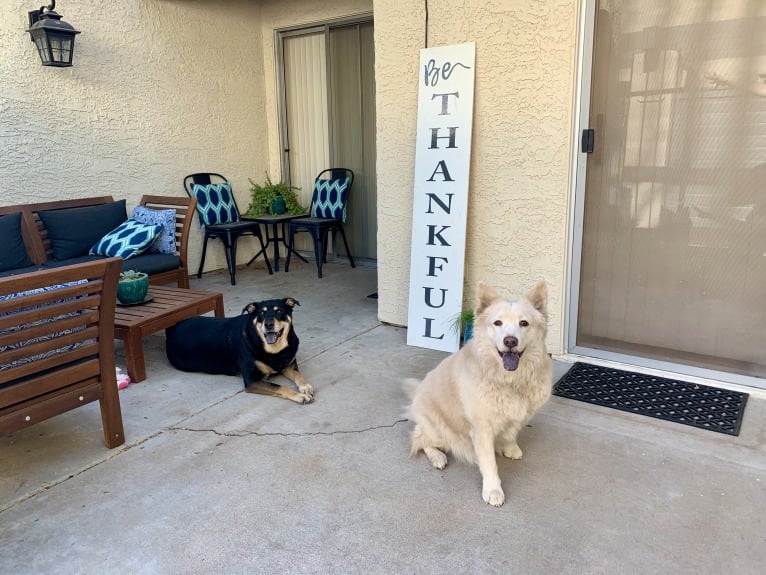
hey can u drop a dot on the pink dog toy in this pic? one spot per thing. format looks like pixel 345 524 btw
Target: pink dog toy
pixel 123 379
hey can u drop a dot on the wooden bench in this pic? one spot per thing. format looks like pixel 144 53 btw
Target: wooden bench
pixel 185 208
pixel 57 345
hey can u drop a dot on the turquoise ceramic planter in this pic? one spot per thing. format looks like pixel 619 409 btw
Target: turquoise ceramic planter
pixel 278 205
pixel 133 290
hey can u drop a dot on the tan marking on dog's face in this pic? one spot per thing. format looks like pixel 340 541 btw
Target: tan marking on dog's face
pixel 272 323
pixel 273 326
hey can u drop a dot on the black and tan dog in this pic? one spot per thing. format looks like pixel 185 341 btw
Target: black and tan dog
pixel 259 343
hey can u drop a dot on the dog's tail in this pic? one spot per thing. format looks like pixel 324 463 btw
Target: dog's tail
pixel 409 386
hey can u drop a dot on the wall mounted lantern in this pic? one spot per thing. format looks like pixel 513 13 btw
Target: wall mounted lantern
pixel 53 37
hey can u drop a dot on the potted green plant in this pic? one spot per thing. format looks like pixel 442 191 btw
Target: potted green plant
pixel 132 287
pixel 272 198
pixel 462 323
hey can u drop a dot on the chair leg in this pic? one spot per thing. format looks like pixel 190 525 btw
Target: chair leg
pixel 345 243
pixel 319 250
pixel 111 415
pixel 202 259
pixel 230 249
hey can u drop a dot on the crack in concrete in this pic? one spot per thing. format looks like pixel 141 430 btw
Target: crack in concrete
pixel 126 447
pixel 278 434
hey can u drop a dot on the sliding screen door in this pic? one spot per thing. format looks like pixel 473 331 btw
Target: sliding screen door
pixel 673 254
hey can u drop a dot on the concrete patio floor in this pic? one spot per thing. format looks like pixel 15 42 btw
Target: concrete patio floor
pixel 214 480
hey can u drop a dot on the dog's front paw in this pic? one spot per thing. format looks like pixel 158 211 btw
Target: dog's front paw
pixel 436 456
pixel 303 398
pixel 494 496
pixel 513 451
pixel 306 389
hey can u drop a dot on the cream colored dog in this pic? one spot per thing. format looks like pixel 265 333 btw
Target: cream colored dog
pixel 476 400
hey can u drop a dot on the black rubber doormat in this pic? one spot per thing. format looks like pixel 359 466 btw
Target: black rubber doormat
pixel 687 403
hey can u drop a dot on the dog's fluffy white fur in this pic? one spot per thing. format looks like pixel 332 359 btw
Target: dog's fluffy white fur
pixel 475 401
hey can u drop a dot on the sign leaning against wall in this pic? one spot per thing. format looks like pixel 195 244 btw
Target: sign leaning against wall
pixel 442 162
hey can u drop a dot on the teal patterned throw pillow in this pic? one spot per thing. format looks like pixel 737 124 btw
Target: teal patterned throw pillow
pixel 129 239
pixel 329 200
pixel 215 203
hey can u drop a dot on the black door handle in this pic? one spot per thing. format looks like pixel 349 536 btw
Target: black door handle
pixel 588 140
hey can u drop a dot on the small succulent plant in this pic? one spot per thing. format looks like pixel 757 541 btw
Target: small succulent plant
pixel 131 275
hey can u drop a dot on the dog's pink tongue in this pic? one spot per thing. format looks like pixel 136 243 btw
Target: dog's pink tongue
pixel 510 361
pixel 271 337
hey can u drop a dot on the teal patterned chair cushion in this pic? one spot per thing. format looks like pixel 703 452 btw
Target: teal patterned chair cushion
pixel 166 240
pixel 128 239
pixel 215 203
pixel 329 199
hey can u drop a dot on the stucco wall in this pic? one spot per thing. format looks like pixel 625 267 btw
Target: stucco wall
pixel 158 90
pixel 521 149
pixel 161 89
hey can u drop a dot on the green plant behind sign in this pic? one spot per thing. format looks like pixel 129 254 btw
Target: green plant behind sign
pixel 462 323
pixel 262 196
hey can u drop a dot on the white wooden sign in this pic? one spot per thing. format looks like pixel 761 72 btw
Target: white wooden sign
pixel 442 162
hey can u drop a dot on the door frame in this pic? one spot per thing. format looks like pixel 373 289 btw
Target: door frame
pixel 586 37
pixel 368 205
pixel 300 30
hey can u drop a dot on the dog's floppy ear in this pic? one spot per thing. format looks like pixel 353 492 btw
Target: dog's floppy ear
pixel 291 302
pixel 538 295
pixel 485 296
pixel 250 308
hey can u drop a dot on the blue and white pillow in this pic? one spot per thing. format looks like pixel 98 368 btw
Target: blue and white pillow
pixel 215 203
pixel 166 240
pixel 329 199
pixel 128 239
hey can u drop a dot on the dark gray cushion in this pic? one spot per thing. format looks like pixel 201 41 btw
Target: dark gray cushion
pixel 70 261
pixel 13 252
pixel 73 231
pixel 149 263
pixel 152 263
pixel 17 271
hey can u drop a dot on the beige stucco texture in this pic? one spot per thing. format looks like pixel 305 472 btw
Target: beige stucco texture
pixel 161 89
pixel 158 90
pixel 521 149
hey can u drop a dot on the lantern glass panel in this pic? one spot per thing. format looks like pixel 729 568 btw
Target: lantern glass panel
pixel 61 48
pixel 41 41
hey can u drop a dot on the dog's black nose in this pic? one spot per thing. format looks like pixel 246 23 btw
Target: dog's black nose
pixel 510 342
pixel 269 323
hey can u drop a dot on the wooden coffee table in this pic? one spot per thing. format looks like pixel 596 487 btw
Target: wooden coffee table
pixel 168 306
